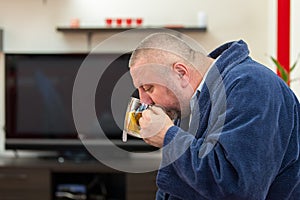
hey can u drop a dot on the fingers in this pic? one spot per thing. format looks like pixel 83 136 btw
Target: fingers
pixel 154 125
pixel 142 121
pixel 148 141
pixel 151 122
pixel 147 115
pixel 157 109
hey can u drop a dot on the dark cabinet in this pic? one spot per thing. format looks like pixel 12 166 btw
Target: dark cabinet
pixel 34 179
pixel 25 184
pixel 141 186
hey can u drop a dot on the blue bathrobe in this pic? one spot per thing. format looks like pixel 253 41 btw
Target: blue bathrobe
pixel 243 141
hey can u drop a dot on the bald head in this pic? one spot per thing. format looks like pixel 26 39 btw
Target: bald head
pixel 165 49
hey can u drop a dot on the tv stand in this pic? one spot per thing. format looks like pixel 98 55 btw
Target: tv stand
pixel 77 157
pixel 71 156
pixel 33 178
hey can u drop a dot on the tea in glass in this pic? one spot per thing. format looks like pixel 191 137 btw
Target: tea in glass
pixel 133 115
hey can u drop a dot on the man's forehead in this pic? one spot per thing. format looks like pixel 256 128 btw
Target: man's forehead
pixel 148 74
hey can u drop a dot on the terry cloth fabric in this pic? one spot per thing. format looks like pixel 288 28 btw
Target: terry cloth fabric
pixel 243 142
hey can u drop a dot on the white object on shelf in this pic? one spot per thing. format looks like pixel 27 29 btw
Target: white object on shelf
pixel 202 19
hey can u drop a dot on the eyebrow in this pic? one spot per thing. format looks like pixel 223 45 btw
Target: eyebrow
pixel 146 85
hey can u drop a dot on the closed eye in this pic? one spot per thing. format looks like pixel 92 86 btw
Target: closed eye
pixel 147 88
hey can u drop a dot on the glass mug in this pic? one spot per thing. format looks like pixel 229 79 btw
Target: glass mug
pixel 133 114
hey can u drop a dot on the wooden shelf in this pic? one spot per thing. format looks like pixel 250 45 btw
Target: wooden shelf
pixel 118 29
pixel 89 31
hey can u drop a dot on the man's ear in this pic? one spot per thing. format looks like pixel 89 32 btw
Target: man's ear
pixel 182 72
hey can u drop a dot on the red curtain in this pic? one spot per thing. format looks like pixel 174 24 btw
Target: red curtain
pixel 283 33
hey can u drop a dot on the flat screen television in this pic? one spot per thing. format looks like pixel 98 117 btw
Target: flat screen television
pixel 38 101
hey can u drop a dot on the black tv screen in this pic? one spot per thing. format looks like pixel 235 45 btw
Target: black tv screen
pixel 38 98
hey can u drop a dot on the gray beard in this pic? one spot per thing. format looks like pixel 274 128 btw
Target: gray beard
pixel 173 114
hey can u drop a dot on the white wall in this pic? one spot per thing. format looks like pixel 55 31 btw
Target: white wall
pixel 295 45
pixel 30 26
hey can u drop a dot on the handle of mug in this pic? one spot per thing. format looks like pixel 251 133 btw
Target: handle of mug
pixel 124 136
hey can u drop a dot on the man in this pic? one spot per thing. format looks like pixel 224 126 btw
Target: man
pixel 244 122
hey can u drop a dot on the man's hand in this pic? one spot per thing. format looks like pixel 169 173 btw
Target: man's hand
pixel 154 125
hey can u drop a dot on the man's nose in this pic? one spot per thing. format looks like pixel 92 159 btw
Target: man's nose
pixel 145 98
